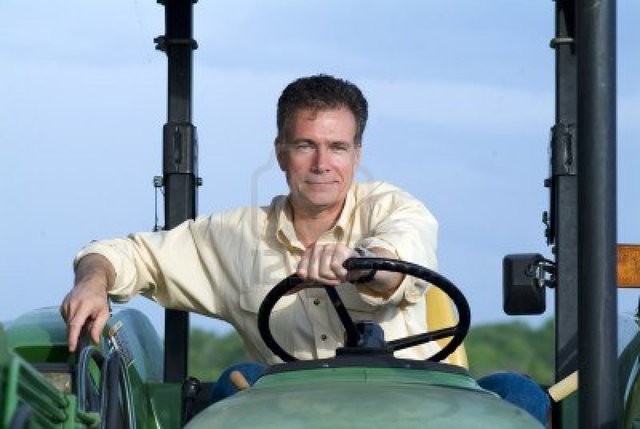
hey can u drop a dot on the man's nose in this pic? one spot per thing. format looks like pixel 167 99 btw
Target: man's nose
pixel 321 161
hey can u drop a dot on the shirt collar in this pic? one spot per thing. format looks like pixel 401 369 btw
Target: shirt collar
pixel 346 215
pixel 285 231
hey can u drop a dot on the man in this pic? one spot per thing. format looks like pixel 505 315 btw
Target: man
pixel 224 265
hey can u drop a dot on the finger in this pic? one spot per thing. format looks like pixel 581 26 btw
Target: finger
pixel 337 259
pixel 325 269
pixel 319 265
pixel 75 324
pixel 98 326
pixel 315 252
pixel 64 310
pixel 303 266
pixel 74 333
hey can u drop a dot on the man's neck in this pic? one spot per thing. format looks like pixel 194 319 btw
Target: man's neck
pixel 309 226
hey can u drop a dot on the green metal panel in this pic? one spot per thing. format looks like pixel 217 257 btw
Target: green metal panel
pixel 39 336
pixel 629 369
pixel 165 400
pixel 632 406
pixel 139 341
pixel 364 398
pixel 628 377
pixel 23 386
pixel 154 405
pixel 569 417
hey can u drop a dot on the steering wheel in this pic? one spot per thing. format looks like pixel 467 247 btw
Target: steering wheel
pixel 353 335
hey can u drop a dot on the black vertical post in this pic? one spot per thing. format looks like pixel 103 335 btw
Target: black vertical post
pixel 179 161
pixel 597 296
pixel 563 183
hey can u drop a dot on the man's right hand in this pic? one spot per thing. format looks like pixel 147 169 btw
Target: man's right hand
pixel 87 303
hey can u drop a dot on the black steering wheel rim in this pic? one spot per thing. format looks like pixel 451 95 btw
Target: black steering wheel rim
pixel 457 332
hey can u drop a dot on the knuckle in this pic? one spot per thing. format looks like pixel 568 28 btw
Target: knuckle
pixel 314 277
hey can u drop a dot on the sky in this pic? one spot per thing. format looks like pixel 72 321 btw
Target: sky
pixel 461 103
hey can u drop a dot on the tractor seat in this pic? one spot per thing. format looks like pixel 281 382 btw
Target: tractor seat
pixel 441 314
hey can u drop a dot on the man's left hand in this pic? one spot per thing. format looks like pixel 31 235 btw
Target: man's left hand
pixel 322 263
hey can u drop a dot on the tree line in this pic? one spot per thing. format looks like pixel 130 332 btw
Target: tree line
pixel 508 346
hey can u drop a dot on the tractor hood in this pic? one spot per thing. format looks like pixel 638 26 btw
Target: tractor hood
pixel 364 397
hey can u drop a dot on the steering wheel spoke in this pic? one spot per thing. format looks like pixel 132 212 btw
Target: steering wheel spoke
pixel 351 332
pixel 426 337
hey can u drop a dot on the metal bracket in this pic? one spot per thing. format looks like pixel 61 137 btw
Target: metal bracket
pixel 562 162
pixel 162 43
pixel 544 272
pixel 158 184
pixel 557 41
pixel 547 224
pixel 180 148
pixel 563 150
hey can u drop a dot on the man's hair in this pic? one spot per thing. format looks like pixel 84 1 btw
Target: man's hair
pixel 322 92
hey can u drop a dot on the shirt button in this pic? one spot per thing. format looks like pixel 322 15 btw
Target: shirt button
pixel 323 337
pixel 316 301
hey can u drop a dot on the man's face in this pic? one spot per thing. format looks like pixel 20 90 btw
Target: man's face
pixel 319 155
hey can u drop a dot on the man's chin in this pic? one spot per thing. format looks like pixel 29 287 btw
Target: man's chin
pixel 323 203
pixel 318 202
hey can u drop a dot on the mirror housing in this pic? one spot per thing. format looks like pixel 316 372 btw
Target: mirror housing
pixel 523 284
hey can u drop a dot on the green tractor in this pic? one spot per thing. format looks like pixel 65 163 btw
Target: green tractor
pixel 124 381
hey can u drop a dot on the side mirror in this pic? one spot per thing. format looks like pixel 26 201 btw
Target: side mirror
pixel 523 284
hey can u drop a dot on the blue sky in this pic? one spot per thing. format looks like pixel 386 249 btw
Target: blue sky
pixel 461 102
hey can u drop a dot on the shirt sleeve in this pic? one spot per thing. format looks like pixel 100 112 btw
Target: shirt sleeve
pixel 402 225
pixel 165 266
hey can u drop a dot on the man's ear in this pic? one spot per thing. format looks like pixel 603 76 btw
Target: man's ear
pixel 280 153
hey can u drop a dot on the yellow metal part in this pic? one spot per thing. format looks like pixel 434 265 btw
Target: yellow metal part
pixel 564 387
pixel 628 265
pixel 440 314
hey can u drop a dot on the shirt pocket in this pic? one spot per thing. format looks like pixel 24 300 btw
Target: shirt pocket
pixel 251 300
pixel 281 320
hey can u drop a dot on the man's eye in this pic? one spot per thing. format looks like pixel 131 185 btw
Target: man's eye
pixel 303 147
pixel 340 148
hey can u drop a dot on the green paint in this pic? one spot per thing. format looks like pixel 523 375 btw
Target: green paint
pixel 325 397
pixel 629 369
pixel 364 398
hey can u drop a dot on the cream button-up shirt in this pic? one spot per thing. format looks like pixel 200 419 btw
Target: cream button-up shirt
pixel 223 265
